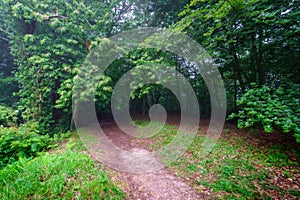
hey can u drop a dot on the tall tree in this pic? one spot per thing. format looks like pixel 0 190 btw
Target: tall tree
pixel 255 41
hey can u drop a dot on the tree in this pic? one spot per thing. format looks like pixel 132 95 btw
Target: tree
pixel 49 41
pixel 254 41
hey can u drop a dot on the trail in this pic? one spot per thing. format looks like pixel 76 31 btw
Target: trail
pixel 161 184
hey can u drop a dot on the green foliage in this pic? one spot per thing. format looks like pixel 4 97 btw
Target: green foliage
pixel 8 87
pixel 297 136
pixel 158 13
pixel 270 108
pixel 49 40
pixel 22 142
pixel 67 175
pixel 251 40
pixel 8 116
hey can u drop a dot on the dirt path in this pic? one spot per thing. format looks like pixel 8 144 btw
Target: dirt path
pixel 161 184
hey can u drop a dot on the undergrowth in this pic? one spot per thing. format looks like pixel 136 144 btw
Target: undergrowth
pixel 63 173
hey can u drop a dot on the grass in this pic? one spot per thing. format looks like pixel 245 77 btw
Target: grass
pixel 63 173
pixel 235 169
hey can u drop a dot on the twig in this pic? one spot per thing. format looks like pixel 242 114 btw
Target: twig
pixel 122 11
pixel 5 39
pixel 4 31
pixel 55 16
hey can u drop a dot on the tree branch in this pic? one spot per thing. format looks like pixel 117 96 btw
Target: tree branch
pixel 5 39
pixel 3 31
pixel 122 11
pixel 56 15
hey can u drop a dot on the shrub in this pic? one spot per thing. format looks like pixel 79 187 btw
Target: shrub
pixel 24 142
pixel 8 116
pixel 270 108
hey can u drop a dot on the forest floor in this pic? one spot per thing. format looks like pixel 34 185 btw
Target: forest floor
pixel 244 164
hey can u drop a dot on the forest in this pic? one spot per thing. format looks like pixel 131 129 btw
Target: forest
pixel 50 61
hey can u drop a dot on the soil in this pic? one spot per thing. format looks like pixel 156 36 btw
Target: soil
pixel 164 184
pixel 160 184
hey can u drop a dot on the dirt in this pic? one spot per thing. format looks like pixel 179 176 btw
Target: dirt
pixel 160 184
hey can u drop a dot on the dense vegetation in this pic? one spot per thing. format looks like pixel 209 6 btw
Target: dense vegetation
pixel 254 43
pixel 64 173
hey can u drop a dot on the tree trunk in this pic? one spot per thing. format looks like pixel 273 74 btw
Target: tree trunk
pixel 257 56
pixel 261 72
pixel 237 68
pixel 235 94
pixel 145 105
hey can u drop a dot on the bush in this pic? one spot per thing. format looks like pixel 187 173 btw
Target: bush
pixel 24 142
pixel 8 116
pixel 270 108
